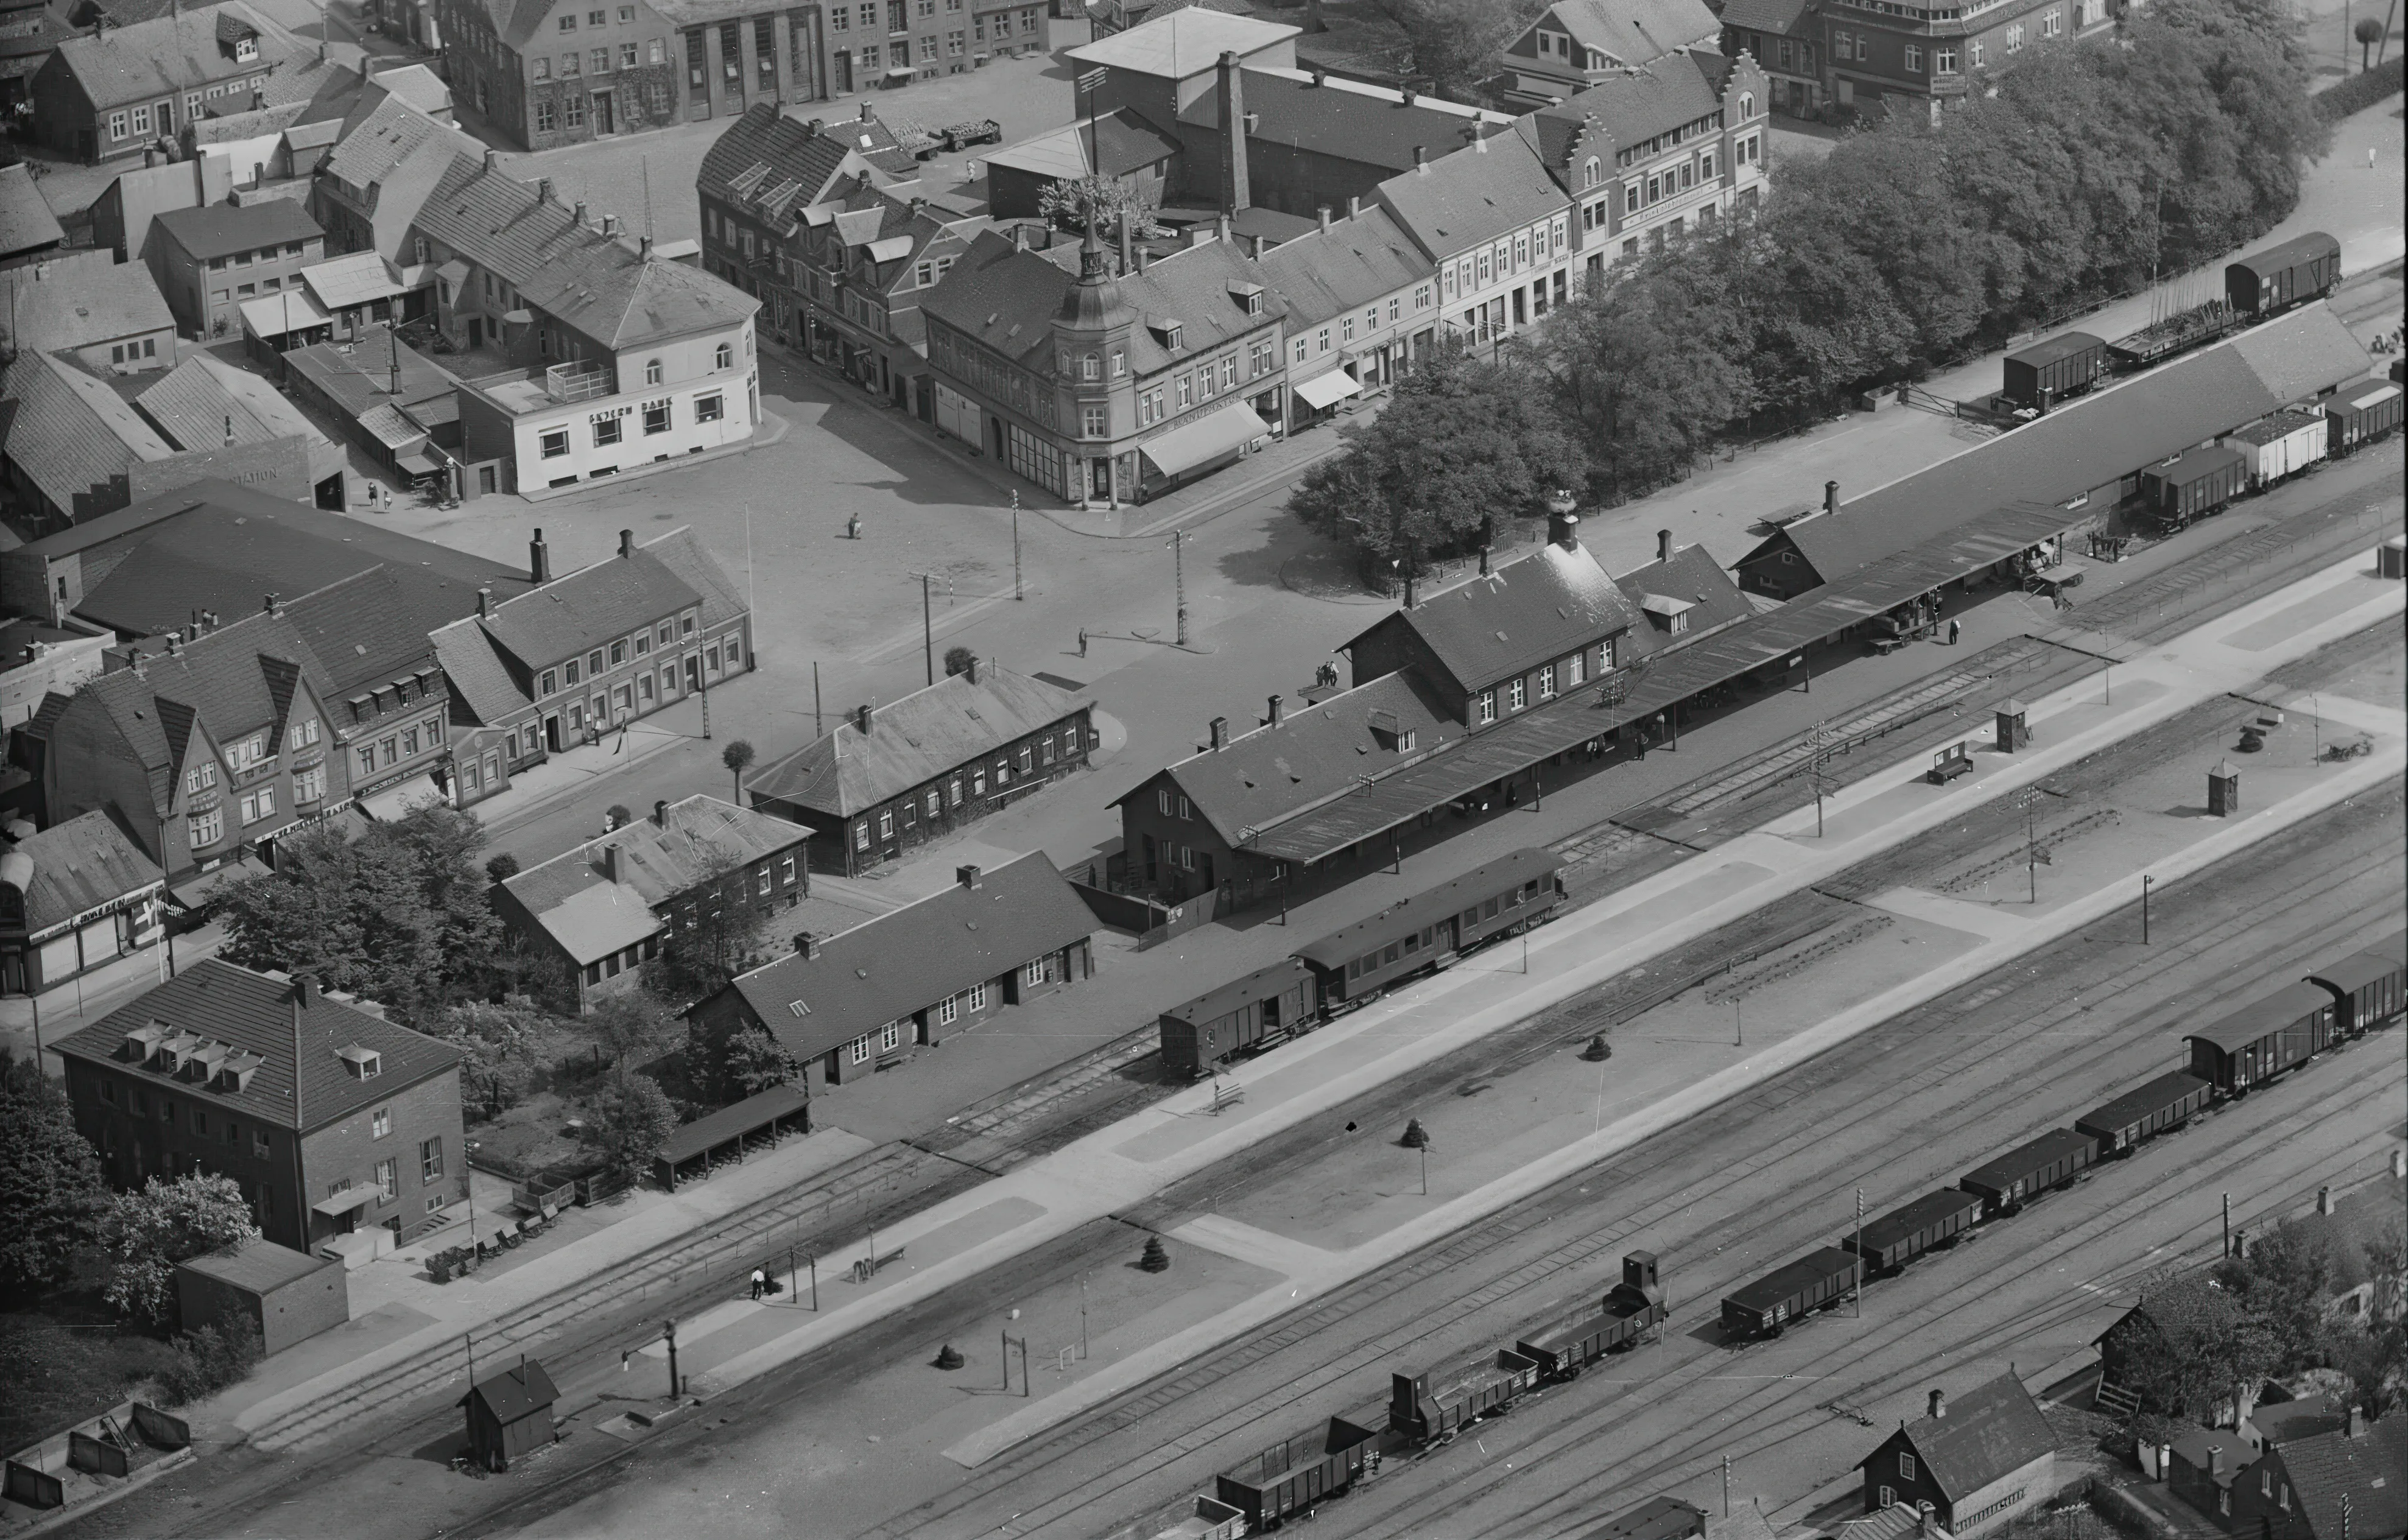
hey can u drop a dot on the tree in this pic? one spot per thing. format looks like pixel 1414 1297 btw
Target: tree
pixel 500 1044
pixel 1078 204
pixel 630 1119
pixel 738 756
pixel 2284 1285
pixel 959 661
pixel 618 815
pixel 709 939
pixel 755 1061
pixel 148 1232
pixel 501 868
pixel 50 1181
pixel 1456 43
pixel 2368 32
pixel 2195 1347
pixel 631 1027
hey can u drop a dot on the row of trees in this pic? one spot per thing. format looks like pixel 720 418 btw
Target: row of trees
pixel 2079 173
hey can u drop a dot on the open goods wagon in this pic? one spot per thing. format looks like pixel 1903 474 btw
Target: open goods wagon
pixel 2167 1102
pixel 1289 1478
pixel 2368 988
pixel 1429 1416
pixel 2303 268
pixel 1815 1282
pixel 2254 1045
pixel 1933 1220
pixel 1628 1311
pixel 1657 1518
pixel 2030 1169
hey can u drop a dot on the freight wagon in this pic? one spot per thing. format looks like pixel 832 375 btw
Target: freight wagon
pixel 2195 483
pixel 2024 1173
pixel 2281 446
pixel 1767 1306
pixel 2303 268
pixel 1902 1234
pixel 1426 1415
pixel 1290 1478
pixel 2368 988
pixel 1624 1317
pixel 1266 1006
pixel 2167 1102
pixel 2361 418
pixel 2048 372
pixel 1657 1518
pixel 2251 1046
pixel 1211 1519
pixel 1502 898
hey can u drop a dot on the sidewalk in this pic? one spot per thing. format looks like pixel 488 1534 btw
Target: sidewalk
pixel 1107 1172
pixel 574 772
pixel 78 1004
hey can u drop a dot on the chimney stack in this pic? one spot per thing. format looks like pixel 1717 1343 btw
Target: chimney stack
pixel 626 544
pixel 1128 248
pixel 611 861
pixel 1279 709
pixel 1663 545
pixel 1323 213
pixel 661 814
pixel 1421 159
pixel 485 602
pixel 644 247
pixel 971 669
pixel 1236 193
pixel 1938 1404
pixel 2215 1457
pixel 272 604
pixel 1830 497
pixel 1409 96
pixel 539 560
pixel 611 224
pixel 1354 206
pixel 969 877
pixel 1924 1514
pixel 1320 77
pixel 544 189
pixel 2358 1422
pixel 806 945
pixel 493 158
pixel 861 717
pixel 305 990
pixel 2323 1200
pixel 1220 729
pixel 1563 524
pixel 579 215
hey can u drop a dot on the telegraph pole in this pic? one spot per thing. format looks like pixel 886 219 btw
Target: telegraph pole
pixel 927 629
pixel 1179 580
pixel 668 1334
pixel 1860 1251
pixel 2146 881
pixel 817 730
pixel 1016 592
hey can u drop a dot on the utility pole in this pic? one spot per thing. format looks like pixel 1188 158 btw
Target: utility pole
pixel 2031 844
pixel 1860 1253
pixel 2228 1224
pixel 668 1334
pixel 1425 1152
pixel 1179 580
pixel 817 730
pixel 2146 881
pixel 1016 592
pixel 1818 738
pixel 927 629
pixel 1725 1485
pixel 1083 1317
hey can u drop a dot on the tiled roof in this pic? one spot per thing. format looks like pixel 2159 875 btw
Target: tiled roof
pixel 600 285
pixel 1356 260
pixel 1007 299
pixel 575 900
pixel 1461 200
pixel 1655 98
pixel 1369 124
pixel 223 229
pixel 415 84
pixel 1123 139
pixel 886 968
pixel 220 678
pixel 480 678
pixel 1693 576
pixel 256 1013
pixel 515 1390
pixel 2354 1488
pixel 71 434
pixel 379 137
pixel 1773 18
pixel 1987 1432
pixel 771 167
pixel 518 20
pixel 81 864
pixel 76 300
pixel 2359 1220
pixel 1183 43
pixel 1547 604
pixel 183 49
pixel 26 223
pixel 681 551
pixel 588 609
pixel 914 741
pixel 200 401
pixel 1319 752
pixel 361 376
pixel 354 279
pixel 372 628
pixel 1633 32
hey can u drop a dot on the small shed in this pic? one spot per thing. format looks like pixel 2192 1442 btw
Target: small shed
pixel 509 1413
pixel 756 1122
pixel 287 1295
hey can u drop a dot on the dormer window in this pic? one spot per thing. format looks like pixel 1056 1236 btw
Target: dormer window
pixel 1249 296
pixel 246 49
pixel 1171 332
pixel 363 1063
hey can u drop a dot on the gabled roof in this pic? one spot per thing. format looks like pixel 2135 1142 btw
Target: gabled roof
pixel 78 866
pixel 1986 1433
pixel 1478 193
pixel 1124 142
pixel 1369 124
pixel 1693 576
pixel 1541 606
pixel 573 899
pixel 1633 32
pixel 370 629
pixel 221 680
pixel 185 48
pixel 2352 1488
pixel 259 1013
pixel 379 136
pixel 26 223
pixel 770 166
pixel 682 552
pixel 1319 753
pixel 71 434
pixel 223 229
pixel 588 609
pixel 363 375
pixel 1008 298
pixel 914 741
pixel 520 1390
pixel 76 300
pixel 1183 43
pixel 1654 98
pixel 352 278
pixel 205 403
pixel 888 968
pixel 484 689
pixel 1773 18
pixel 1359 259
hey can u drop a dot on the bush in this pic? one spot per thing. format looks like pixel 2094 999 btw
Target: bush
pixel 146 1232
pixel 2363 90
pixel 207 1361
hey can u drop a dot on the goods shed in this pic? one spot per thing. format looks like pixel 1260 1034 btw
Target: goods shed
pixel 285 1295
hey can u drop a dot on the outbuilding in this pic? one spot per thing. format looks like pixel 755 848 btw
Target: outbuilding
pixel 286 1295
pixel 1978 1462
pixel 509 1413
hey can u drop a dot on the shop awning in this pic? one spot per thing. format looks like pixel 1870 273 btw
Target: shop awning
pixel 1208 438
pixel 344 1202
pixel 899 72
pixel 394 800
pixel 282 314
pixel 1326 389
pixel 194 892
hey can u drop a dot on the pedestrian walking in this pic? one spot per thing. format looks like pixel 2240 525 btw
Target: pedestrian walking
pixel 1082 641
pixel 2370 157
pixel 1953 630
pixel 759 1280
pixel 853 527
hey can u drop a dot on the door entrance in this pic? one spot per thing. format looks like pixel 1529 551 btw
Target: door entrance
pixel 1099 478
pixel 552 733
pixel 602 100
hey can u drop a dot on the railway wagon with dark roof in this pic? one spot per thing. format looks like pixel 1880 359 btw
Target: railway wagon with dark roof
pixel 1430 931
pixel 1814 1282
pixel 2165 1103
pixel 1933 1220
pixel 2254 1045
pixel 2048 372
pixel 2368 988
pixel 2024 1173
pixel 1657 1518
pixel 2196 482
pixel 2358 417
pixel 1429 1416
pixel 1289 1478
pixel 2303 268
pixel 1621 1320
pixel 1266 1006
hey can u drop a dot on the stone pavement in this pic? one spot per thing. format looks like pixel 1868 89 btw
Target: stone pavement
pixel 1105 1172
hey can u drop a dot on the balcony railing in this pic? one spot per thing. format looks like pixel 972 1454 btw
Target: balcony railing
pixel 576 382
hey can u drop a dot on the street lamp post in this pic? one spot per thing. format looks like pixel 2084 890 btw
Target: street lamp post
pixel 2146 881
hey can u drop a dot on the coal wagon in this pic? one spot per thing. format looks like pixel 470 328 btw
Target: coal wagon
pixel 1931 1222
pixel 2167 1102
pixel 2300 269
pixel 1628 1311
pixel 2271 1037
pixel 1290 1478
pixel 1814 1282
pixel 1426 1415
pixel 1262 1008
pixel 1657 1518
pixel 2024 1173
pixel 2368 988
pixel 2048 372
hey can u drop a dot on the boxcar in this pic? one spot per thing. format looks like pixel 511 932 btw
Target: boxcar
pixel 2367 987
pixel 2196 482
pixel 2251 1046
pixel 2048 372
pixel 2029 1170
pixel 2360 417
pixel 2282 445
pixel 1263 1006
pixel 1767 1306
pixel 1657 1518
pixel 1902 1234
pixel 1424 1415
pixel 1623 1318
pixel 2303 268
pixel 1289 1478
pixel 2166 1101
pixel 1431 930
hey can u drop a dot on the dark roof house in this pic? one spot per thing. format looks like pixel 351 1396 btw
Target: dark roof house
pixel 887 750
pixel 1979 1459
pixel 2351 1485
pixel 225 229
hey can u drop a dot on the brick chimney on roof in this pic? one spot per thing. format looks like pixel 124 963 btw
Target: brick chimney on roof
pixel 1236 193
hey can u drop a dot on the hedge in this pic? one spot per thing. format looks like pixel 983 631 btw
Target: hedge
pixel 2335 102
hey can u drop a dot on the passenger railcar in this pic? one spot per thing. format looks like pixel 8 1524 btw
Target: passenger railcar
pixel 1629 1309
pixel 2024 1173
pixel 1933 1220
pixel 2303 268
pixel 1502 898
pixel 2269 1038
pixel 1814 1282
pixel 1266 1006
pixel 1289 1478
pixel 2368 988
pixel 2165 1103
